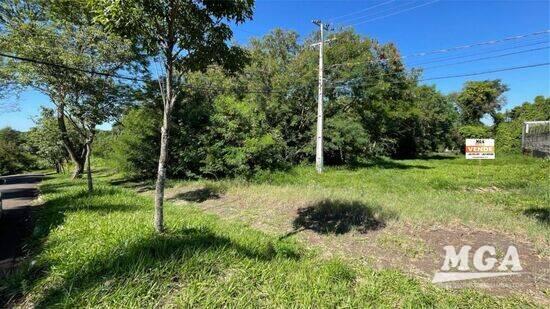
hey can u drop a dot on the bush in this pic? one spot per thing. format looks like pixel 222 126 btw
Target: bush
pixel 346 141
pixel 135 146
pixel 14 155
pixel 239 142
pixel 508 133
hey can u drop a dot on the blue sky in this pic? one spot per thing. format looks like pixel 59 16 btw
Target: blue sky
pixel 417 26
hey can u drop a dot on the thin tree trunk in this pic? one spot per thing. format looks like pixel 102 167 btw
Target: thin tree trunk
pixel 164 138
pixel 89 164
pixel 169 102
pixel 77 159
pixel 161 175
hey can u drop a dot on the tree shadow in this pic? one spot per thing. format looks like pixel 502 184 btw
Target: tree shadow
pixel 139 185
pixel 438 157
pixel 340 217
pixel 154 255
pixel 208 192
pixel 387 164
pixel 150 256
pixel 540 214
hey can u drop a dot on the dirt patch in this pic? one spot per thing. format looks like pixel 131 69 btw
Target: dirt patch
pixel 368 235
pixel 491 189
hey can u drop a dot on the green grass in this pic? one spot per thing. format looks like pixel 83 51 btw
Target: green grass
pixel 510 195
pixel 101 251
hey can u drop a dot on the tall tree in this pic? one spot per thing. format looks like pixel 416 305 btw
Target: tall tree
pixel 57 35
pixel 45 138
pixel 479 98
pixel 187 35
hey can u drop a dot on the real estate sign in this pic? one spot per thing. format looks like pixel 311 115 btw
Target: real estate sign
pixel 480 148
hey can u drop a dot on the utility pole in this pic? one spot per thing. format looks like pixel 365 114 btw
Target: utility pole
pixel 319 138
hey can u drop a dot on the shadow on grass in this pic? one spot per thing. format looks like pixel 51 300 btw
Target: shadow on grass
pixel 340 217
pixel 139 185
pixel 387 164
pixel 208 192
pixel 439 157
pixel 197 196
pixel 540 214
pixel 158 256
pixel 170 257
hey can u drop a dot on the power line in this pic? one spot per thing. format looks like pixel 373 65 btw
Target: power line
pixel 487 72
pixel 486 58
pixel 443 59
pixel 491 42
pixel 395 13
pixel 451 49
pixel 395 81
pixel 363 10
pixel 65 67
pixel 373 14
pixel 61 66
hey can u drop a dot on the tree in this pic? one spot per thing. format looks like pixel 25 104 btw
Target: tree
pixel 45 138
pixel 508 132
pixel 479 98
pixel 61 34
pixel 187 36
pixel 14 157
pixel 238 140
pixel 134 140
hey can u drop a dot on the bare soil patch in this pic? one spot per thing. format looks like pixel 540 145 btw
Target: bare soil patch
pixel 368 235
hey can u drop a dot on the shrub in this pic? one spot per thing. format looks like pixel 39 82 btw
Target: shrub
pixel 239 142
pixel 135 145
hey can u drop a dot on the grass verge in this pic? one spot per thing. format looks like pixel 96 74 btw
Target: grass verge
pixel 101 251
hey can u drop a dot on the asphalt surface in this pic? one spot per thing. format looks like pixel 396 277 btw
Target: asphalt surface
pixel 16 224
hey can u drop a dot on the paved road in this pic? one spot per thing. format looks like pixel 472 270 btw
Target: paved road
pixel 18 192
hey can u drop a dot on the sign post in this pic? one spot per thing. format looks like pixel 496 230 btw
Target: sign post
pixel 480 149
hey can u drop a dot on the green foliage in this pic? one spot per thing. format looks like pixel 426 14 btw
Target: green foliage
pixel 103 144
pixel 238 140
pixel 46 141
pixel 508 132
pixel 346 141
pixel 264 117
pixel 474 131
pixel 63 33
pixel 479 98
pixel 14 154
pixel 136 142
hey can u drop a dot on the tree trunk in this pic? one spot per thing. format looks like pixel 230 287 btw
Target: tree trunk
pixel 71 149
pixel 88 165
pixel 161 175
pixel 169 102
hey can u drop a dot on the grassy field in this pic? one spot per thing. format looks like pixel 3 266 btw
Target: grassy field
pixel 101 250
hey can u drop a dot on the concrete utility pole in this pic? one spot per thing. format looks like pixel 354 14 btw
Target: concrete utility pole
pixel 319 139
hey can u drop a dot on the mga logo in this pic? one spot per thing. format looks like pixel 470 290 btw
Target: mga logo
pixel 456 266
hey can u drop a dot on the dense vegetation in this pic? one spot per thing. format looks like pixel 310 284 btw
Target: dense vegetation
pixel 15 154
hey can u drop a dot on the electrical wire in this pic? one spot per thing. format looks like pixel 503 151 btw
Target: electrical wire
pixel 452 49
pixel 374 14
pixel 487 72
pixel 394 13
pixel 443 59
pixel 61 66
pixel 486 58
pixel 360 11
pixel 104 74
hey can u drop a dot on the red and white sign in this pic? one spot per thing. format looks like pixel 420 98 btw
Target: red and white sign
pixel 480 148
